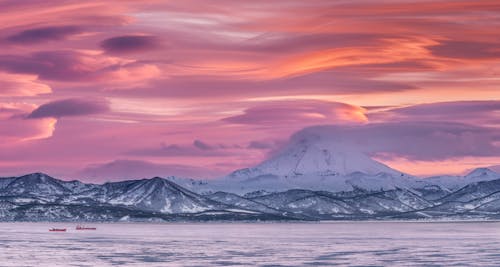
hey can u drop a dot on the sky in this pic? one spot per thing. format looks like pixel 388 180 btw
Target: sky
pixel 109 90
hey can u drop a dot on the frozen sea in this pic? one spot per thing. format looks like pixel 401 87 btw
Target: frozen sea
pixel 253 244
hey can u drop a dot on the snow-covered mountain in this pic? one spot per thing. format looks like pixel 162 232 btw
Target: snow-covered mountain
pixel 456 182
pixel 160 195
pixel 35 185
pixel 312 178
pixel 312 161
pixel 309 152
pixel 38 196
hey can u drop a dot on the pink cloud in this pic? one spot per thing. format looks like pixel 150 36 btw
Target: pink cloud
pixel 80 67
pixel 207 78
pixel 15 129
pixel 430 141
pixel 21 85
pixel 120 170
pixel 300 113
pixel 196 149
pixel 473 112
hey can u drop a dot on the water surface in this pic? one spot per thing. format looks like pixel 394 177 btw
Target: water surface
pixel 252 244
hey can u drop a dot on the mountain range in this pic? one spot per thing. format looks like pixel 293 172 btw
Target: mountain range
pixel 312 178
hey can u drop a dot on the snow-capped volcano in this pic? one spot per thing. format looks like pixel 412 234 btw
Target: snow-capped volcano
pixel 311 152
pixel 313 160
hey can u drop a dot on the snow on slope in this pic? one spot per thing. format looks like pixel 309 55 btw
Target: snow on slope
pixel 456 182
pixel 316 161
pixel 150 198
pixel 161 195
pixel 35 184
pixel 6 181
pixel 154 194
pixel 310 151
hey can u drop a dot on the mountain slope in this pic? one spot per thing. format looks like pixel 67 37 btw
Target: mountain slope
pixel 315 161
pixel 38 197
pixel 38 185
pixel 160 195
pixel 456 182
pixel 309 152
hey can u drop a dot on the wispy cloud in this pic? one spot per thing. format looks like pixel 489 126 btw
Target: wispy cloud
pixel 234 78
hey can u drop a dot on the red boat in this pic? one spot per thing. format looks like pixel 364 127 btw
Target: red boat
pixel 57 230
pixel 79 227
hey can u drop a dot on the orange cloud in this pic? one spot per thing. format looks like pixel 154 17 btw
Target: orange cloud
pixel 393 50
pixel 268 67
pixel 299 113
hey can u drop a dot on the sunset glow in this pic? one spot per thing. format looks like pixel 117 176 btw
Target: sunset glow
pixel 91 89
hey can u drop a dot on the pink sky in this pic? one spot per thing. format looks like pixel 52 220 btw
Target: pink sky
pixel 100 90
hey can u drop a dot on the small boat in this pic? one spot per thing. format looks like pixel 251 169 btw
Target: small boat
pixel 57 230
pixel 79 227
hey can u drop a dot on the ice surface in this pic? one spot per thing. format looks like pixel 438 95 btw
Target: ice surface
pixel 253 244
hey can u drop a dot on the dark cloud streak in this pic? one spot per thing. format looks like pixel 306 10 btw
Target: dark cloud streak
pixel 466 50
pixel 70 107
pixel 129 44
pixel 44 34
